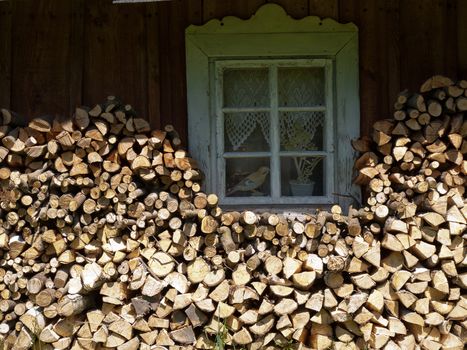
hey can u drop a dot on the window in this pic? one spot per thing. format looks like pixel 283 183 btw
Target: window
pixel 272 115
pixel 273 105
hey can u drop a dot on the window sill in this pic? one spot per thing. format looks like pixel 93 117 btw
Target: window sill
pixel 285 210
pixel 279 202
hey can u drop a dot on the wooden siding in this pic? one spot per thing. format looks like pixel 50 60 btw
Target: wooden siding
pixel 55 54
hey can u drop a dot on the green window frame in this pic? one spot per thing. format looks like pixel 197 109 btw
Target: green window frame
pixel 270 37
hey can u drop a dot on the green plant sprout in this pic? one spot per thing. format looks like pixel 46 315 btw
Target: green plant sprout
pixel 221 334
pixel 288 345
pixel 221 337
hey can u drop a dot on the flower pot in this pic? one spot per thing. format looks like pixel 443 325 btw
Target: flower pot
pixel 301 189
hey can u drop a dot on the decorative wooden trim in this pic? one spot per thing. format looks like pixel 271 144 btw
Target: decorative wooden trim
pixel 271 18
pixel 272 33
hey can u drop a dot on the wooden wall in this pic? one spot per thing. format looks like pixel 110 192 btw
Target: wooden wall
pixel 57 54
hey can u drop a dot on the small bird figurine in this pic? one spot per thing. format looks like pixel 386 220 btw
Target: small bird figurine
pixel 251 182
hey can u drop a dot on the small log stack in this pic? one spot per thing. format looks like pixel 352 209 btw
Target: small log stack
pixel 108 242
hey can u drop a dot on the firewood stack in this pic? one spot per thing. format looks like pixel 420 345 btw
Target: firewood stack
pixel 414 168
pixel 108 241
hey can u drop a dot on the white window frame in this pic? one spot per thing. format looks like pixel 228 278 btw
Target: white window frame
pixel 272 34
pixel 274 154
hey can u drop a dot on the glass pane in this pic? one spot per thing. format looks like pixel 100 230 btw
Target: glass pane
pixel 246 132
pixel 301 87
pixel 302 131
pixel 247 177
pixel 246 87
pixel 302 176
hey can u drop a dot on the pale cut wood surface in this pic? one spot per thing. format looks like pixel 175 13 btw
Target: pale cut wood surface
pixel 135 255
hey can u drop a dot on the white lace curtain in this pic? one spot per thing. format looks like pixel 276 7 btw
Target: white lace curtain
pixel 249 88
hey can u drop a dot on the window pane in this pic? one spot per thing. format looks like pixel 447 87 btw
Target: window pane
pixel 302 176
pixel 302 131
pixel 247 177
pixel 246 87
pixel 246 132
pixel 301 87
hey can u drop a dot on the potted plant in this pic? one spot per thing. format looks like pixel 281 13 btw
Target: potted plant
pixel 303 185
pixel 296 139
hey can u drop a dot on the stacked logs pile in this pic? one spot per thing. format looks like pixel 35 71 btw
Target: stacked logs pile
pixel 414 169
pixel 108 243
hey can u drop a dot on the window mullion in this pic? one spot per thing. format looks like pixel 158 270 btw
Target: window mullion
pixel 274 134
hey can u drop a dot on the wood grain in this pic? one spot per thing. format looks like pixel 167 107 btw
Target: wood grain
pixel 40 55
pixel 391 52
pixel 365 15
pixel 370 71
pixel 324 9
pixel 75 73
pixel 422 36
pixel 114 53
pixel 5 56
pixel 451 39
pixel 240 8
pixel 165 65
pixel 296 9
pixel 153 66
pixel 462 38
pixel 112 240
pixel 136 51
pixel 181 14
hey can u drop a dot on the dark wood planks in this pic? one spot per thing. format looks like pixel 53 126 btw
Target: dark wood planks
pixel 450 39
pixel 137 51
pixel 384 53
pixel 76 64
pixel 40 55
pixel 182 14
pixel 115 53
pixel 165 65
pixel 174 17
pixel 462 38
pixel 365 15
pixel 378 23
pixel 390 53
pixel 153 66
pixel 370 72
pixel 239 8
pixel 296 9
pixel 423 41
pixel 324 9
pixel 5 54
